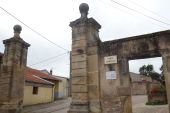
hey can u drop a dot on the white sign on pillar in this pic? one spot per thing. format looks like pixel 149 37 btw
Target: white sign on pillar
pixel 110 59
pixel 110 75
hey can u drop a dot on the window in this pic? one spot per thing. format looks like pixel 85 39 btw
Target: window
pixel 35 90
pixel 111 67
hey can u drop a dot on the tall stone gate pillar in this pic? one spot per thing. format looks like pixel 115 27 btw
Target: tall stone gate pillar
pixel 124 90
pixel 12 73
pixel 85 71
pixel 166 72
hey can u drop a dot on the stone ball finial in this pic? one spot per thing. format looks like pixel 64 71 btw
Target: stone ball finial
pixel 17 28
pixel 84 8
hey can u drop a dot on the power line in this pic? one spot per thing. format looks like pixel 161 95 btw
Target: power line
pixel 130 13
pixel 33 30
pixel 42 61
pixel 46 65
pixel 149 10
pixel 139 12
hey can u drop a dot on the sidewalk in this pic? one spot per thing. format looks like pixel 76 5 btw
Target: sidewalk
pixel 140 107
pixel 58 106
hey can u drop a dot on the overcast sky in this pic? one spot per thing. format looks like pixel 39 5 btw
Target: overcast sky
pixel 51 18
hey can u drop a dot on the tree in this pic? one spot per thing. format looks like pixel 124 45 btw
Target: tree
pixel 146 70
pixel 142 70
pixel 149 71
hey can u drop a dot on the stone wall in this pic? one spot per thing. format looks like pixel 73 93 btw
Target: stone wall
pixel 139 88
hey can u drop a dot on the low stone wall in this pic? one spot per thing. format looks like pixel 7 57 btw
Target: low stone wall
pixel 139 88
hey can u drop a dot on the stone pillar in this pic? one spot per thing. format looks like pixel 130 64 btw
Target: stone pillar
pixel 93 70
pixel 12 73
pixel 166 72
pixel 84 72
pixel 124 90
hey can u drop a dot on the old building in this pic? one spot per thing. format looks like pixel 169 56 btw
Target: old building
pixel 39 87
pixel 63 89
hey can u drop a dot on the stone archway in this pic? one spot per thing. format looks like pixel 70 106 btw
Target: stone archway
pixel 138 47
pixel 99 70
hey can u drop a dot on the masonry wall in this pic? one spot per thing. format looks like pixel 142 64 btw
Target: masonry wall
pixel 139 88
pixel 92 92
pixel 137 47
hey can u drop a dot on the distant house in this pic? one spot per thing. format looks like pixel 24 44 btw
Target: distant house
pixel 39 87
pixel 139 83
pixel 63 89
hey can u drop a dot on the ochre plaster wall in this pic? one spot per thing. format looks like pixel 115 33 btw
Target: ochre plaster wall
pixel 45 95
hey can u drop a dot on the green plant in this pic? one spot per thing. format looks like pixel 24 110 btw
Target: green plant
pixel 158 102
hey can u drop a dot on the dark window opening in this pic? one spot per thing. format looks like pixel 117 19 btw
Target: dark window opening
pixel 111 67
pixel 35 90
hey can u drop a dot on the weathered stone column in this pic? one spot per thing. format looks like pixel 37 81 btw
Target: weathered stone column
pixel 84 72
pixel 166 72
pixel 124 90
pixel 12 73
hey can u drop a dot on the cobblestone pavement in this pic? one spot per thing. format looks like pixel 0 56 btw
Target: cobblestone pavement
pixel 62 106
pixel 140 107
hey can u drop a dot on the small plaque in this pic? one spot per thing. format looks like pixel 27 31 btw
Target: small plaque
pixel 110 75
pixel 110 59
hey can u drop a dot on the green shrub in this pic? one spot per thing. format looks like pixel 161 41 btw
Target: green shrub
pixel 156 103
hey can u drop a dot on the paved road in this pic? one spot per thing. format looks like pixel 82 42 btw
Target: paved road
pixel 140 107
pixel 59 106
pixel 62 106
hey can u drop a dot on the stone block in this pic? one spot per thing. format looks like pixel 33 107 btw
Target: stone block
pixel 92 50
pixel 79 80
pixel 111 102
pixel 4 80
pixel 93 77
pixel 93 92
pixel 79 75
pixel 77 58
pixel 78 71
pixel 76 38
pixel 79 65
pixel 79 88
pixel 92 63
pixel 4 89
pixel 124 91
pixel 79 43
pixel 79 97
pixel 79 50
pixel 9 111
pixel 94 106
pixel 79 109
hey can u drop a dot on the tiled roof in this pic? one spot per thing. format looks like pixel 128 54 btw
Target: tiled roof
pixel 36 76
pixel 36 79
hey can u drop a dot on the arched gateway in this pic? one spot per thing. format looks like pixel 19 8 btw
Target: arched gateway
pixel 99 70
